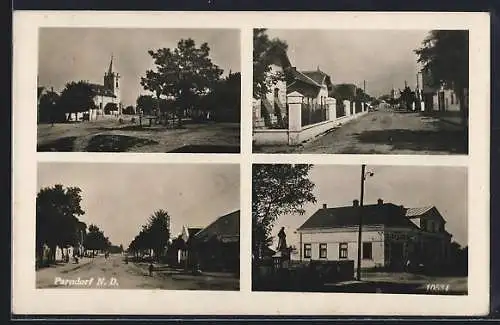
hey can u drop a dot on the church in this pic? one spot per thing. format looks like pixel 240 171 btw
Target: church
pixel 107 96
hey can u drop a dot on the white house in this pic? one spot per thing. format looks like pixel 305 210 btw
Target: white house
pixel 392 235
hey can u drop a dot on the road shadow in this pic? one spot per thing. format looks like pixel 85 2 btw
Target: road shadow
pixel 65 144
pixel 115 143
pixel 452 141
pixel 206 149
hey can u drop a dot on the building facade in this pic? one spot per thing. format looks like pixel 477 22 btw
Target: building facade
pixel 393 237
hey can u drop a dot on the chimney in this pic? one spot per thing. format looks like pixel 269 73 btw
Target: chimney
pixel 380 201
pixel 355 203
pixel 324 205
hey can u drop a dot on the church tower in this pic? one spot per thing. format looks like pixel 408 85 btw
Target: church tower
pixel 112 82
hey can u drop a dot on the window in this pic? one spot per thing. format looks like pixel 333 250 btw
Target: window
pixel 307 250
pixel 322 251
pixel 367 251
pixel 452 98
pixel 343 250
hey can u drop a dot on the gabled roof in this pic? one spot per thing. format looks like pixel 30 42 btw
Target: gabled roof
pixel 226 229
pixel 429 211
pixel 297 75
pixel 417 212
pixel 386 214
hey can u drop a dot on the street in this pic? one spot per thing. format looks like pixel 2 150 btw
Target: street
pixel 385 132
pixel 114 273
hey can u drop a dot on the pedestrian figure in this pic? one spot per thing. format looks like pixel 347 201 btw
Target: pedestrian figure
pixel 150 269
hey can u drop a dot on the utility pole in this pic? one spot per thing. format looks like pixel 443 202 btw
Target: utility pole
pixel 360 212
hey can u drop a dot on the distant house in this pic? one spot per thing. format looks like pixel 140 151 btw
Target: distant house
pixel 443 99
pixel 392 235
pixel 217 246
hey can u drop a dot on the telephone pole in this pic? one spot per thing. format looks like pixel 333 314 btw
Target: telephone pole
pixel 360 212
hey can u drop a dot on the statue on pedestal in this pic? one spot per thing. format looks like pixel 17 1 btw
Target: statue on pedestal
pixel 282 240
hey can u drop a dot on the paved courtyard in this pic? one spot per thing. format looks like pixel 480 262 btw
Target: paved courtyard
pixel 386 132
pixel 108 135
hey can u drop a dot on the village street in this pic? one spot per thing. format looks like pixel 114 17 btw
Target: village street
pixel 386 132
pixel 114 273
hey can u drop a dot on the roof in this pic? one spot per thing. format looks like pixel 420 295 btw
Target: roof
pixel 386 214
pixel 429 211
pixel 318 76
pixel 417 212
pixel 226 229
pixel 100 90
pixel 297 75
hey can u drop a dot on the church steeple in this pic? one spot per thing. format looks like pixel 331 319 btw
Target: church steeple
pixel 110 69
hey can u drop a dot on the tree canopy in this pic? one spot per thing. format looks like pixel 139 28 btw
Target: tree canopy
pixel 445 58
pixel 277 189
pixel 77 97
pixel 57 211
pixel 145 104
pixel 48 107
pixel 184 73
pixel 96 240
pixel 264 52
pixel 154 235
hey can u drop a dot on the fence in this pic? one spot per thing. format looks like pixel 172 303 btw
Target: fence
pixel 313 113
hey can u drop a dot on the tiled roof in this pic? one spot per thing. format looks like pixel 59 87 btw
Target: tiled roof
pixel 417 212
pixel 302 77
pixel 386 214
pixel 225 228
pixel 318 76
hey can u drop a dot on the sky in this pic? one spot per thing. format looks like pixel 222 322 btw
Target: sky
pixel 410 186
pixel 72 54
pixel 384 58
pixel 119 197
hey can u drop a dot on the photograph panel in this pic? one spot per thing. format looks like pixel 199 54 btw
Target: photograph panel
pixel 138 226
pixel 361 91
pixel 360 229
pixel 139 90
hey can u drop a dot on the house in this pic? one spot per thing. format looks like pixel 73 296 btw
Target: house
pixel 314 86
pixel 442 98
pixel 217 246
pixel 264 108
pixel 184 245
pixel 392 235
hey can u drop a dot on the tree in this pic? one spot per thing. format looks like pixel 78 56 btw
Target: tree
pixel 129 110
pixel 48 108
pixel 159 232
pixel 277 190
pixel 407 98
pixel 95 240
pixel 57 209
pixel 77 97
pixel 146 104
pixel 445 58
pixel 345 92
pixel 184 73
pixel 225 99
pixel 264 52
